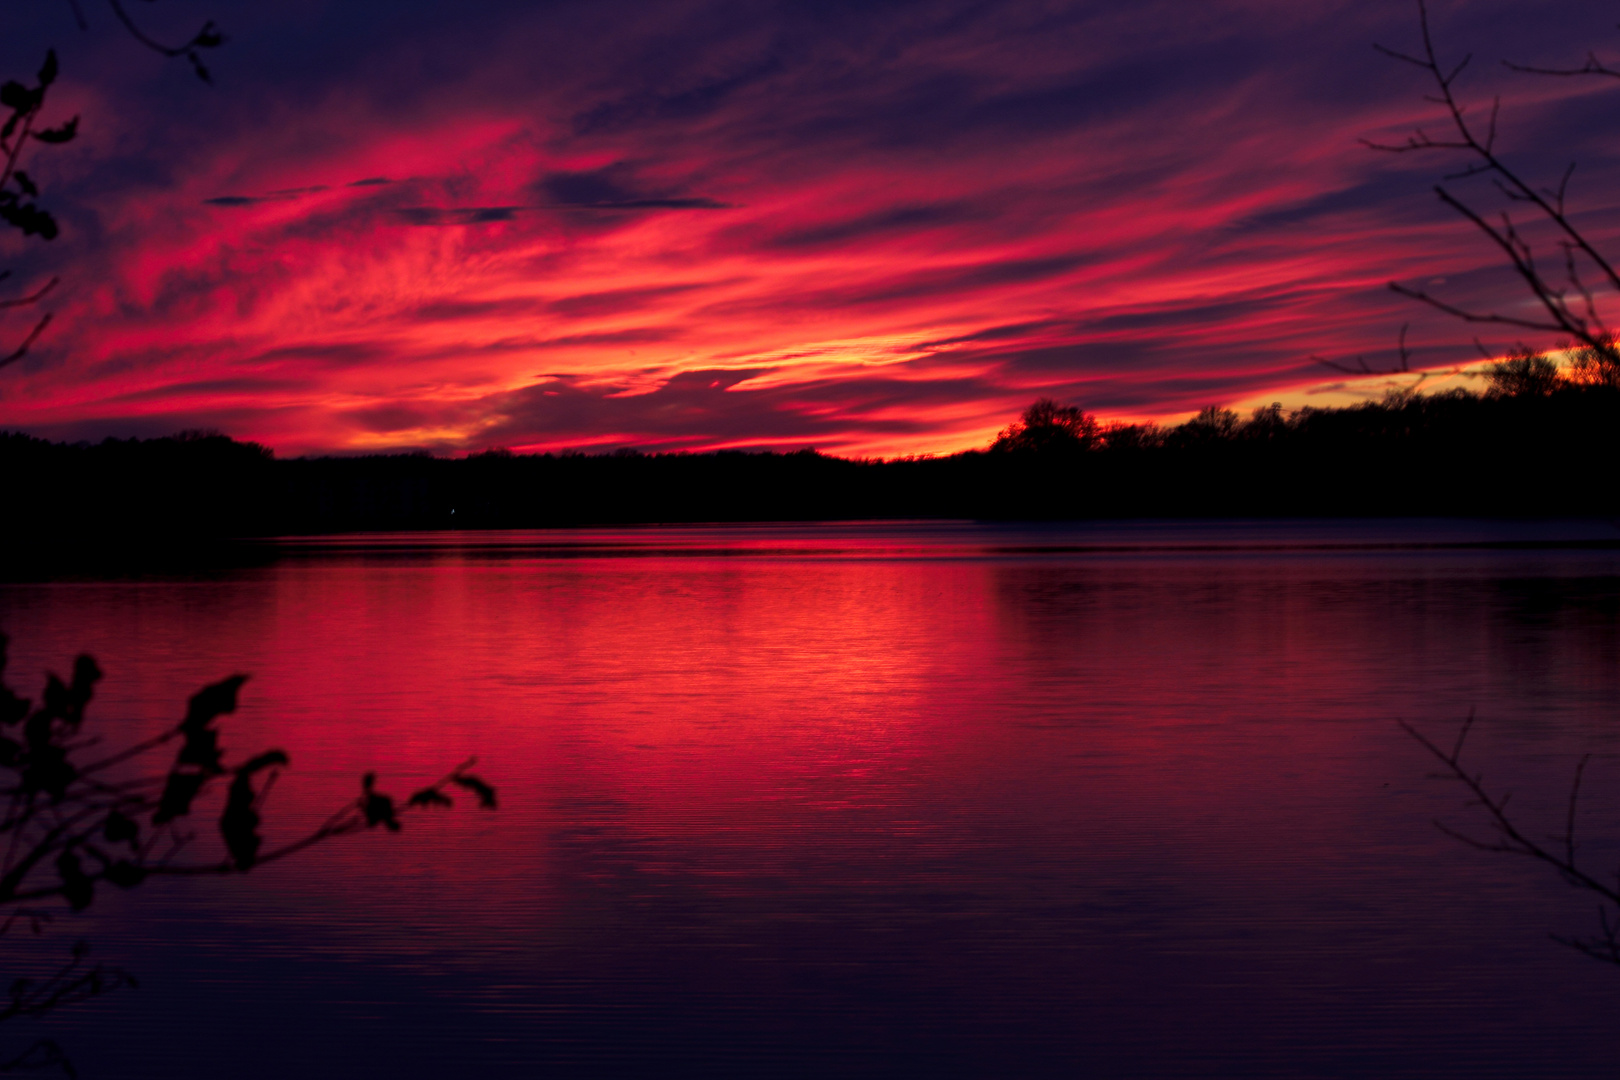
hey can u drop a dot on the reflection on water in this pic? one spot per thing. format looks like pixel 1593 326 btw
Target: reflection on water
pixel 1107 800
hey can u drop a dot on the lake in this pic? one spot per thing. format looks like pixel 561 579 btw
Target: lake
pixel 1120 799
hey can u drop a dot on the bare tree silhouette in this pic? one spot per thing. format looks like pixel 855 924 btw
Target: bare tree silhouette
pixel 1567 297
pixel 1507 836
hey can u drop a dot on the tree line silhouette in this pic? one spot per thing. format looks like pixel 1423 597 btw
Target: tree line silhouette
pixel 1536 442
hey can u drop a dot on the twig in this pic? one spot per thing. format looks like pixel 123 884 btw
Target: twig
pixel 1606 946
pixel 1549 204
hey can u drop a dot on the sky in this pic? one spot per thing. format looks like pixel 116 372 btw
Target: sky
pixel 875 228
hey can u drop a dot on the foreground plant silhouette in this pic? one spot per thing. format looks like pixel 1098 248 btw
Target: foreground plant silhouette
pixel 22 109
pixel 1508 837
pixel 78 817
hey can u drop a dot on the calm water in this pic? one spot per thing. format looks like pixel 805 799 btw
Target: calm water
pixel 867 800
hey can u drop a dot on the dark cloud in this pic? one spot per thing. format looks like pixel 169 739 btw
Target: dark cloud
pixel 612 188
pixel 1175 317
pixel 925 284
pixel 617 301
pixel 696 203
pixel 894 219
pixel 392 417
pixel 460 215
pixel 329 354
pixel 1014 331
pixel 717 407
pixel 1384 190
pixel 641 335
pixel 613 339
pixel 692 408
pixel 272 196
pixel 1143 207
pixel 654 107
pixel 211 388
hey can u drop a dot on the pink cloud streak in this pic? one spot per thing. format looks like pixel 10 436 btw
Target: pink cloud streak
pixel 572 267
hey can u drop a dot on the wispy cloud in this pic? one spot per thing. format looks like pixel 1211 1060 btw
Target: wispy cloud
pixel 874 228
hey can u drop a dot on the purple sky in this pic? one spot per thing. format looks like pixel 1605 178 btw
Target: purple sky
pixel 870 228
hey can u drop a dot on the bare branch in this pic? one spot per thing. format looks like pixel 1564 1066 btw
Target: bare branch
pixel 1360 366
pixel 1549 204
pixel 1574 798
pixel 22 350
pixel 1563 187
pixel 1593 66
pixel 208 37
pixel 1511 840
pixel 31 298
pixel 1403 57
pixel 1467 316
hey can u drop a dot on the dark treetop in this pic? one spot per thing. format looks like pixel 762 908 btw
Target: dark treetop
pixel 1517 451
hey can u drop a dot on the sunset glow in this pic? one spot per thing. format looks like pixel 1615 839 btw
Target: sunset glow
pixel 689 226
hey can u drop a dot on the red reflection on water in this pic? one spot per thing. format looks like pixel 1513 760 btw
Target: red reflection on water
pixel 1004 790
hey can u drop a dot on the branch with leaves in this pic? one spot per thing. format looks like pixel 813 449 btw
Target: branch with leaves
pixel 1506 836
pixel 208 37
pixel 19 195
pixel 70 825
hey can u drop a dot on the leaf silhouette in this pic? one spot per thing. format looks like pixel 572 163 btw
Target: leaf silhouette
pixel 85 676
pixel 124 874
pixel 60 134
pixel 46 767
pixel 430 797
pixel 67 701
pixel 14 95
pixel 485 793
pixel 12 707
pixel 30 219
pixel 121 828
pixel 239 824
pixel 211 701
pixel 201 750
pixel 178 793
pixel 77 888
pixel 377 807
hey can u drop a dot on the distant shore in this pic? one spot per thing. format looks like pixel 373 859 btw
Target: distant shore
pixel 1550 455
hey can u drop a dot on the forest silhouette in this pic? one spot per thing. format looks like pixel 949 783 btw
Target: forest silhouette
pixel 1532 444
